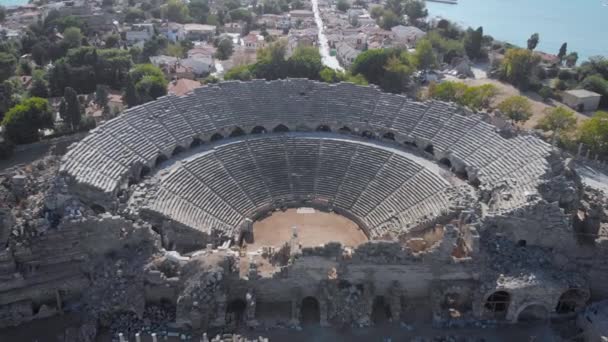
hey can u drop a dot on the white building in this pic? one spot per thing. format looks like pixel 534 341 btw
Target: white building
pixel 581 99
pixel 140 33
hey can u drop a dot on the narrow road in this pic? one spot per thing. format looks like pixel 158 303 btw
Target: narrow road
pixel 328 60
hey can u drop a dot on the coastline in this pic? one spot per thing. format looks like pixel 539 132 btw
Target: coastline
pixel 508 22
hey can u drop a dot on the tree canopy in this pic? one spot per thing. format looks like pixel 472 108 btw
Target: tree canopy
pixel 516 108
pixel 533 41
pixel 594 133
pixel 144 84
pixel 23 121
pixel 518 66
pixel 557 119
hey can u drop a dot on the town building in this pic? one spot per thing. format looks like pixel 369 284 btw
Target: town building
pixel 581 99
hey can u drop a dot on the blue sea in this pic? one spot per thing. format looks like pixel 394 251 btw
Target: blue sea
pixel 583 24
pixel 7 3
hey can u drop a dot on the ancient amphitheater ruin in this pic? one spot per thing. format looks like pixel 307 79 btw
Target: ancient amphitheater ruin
pixel 461 223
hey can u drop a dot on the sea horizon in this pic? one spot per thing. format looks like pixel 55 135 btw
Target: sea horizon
pixel 514 21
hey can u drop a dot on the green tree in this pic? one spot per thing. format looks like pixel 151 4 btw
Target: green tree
pixel 518 66
pixel 562 52
pixel 72 37
pixel 415 10
pixel 594 133
pixel 395 6
pixel 112 41
pixel 225 48
pixel 73 111
pixel 133 15
pixel 101 95
pixel 397 75
pixel 424 58
pixel 130 94
pixel 473 41
pixel 571 59
pixel 533 41
pixel 241 73
pixel 389 20
pixel 376 12
pixel 147 82
pixel 546 93
pixel 2 14
pixel 40 87
pixel 23 122
pixel 6 97
pixel 479 97
pixel 199 10
pixel 343 5
pixel 305 63
pixel 516 108
pixel 558 119
pixel 598 84
pixel 371 64
pixel 8 63
pixel 450 91
pixel 176 10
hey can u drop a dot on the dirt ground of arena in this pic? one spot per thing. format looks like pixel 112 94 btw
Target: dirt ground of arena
pixel 314 228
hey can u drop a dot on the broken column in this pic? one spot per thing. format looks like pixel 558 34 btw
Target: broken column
pixel 250 309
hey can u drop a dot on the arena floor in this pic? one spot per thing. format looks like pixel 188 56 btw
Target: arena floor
pixel 314 228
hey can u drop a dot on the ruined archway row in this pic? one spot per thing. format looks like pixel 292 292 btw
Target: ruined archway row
pixel 118 149
pixel 215 190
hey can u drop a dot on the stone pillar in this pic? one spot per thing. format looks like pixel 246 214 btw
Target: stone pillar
pixel 154 338
pixel 220 312
pixel 395 294
pixel 580 150
pixel 205 338
pixel 121 337
pixel 294 242
pixel 295 311
pixel 250 309
pixel 588 154
pixel 324 312
pixel 137 337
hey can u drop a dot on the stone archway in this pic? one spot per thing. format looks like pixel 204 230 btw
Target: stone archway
pixel 571 300
pixel 381 310
pixel 323 128
pixel 235 311
pixel 531 313
pixel 280 129
pixel 498 303
pixel 310 311
pixel 258 130
pixel 237 132
pixel 344 130
pixel 216 137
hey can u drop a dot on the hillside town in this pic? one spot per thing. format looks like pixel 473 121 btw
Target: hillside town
pixel 323 170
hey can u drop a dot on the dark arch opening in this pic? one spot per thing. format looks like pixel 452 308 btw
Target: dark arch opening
pixel 446 162
pixel 429 149
pixel 216 137
pixel 235 311
pixel 280 129
pixel 310 311
pixel 177 150
pixel 410 143
pixel 498 303
pixel 237 132
pixel 367 134
pixel 323 128
pixel 160 159
pixel 145 170
pixel 389 136
pixel 258 130
pixel 570 301
pixel 344 130
pixel 533 313
pixel 522 243
pixel 462 174
pixel 381 311
pixel 196 142
pixel 98 209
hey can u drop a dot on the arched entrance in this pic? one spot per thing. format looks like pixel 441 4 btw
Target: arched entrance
pixel 281 129
pixel 381 311
pixel 389 136
pixel 533 313
pixel 344 130
pixel 323 128
pixel 258 130
pixel 216 137
pixel 498 303
pixel 310 311
pixel 571 301
pixel 237 132
pixel 235 312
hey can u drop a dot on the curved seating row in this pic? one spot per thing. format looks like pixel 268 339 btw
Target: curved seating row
pixel 115 151
pixel 216 189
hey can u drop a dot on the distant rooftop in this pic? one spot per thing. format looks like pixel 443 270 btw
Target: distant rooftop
pixel 582 93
